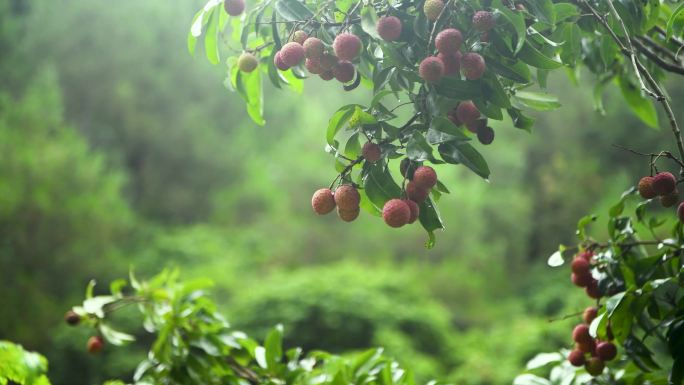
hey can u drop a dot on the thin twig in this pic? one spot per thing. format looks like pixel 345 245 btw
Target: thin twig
pixel 654 157
pixel 670 67
pixel 659 48
pixel 434 26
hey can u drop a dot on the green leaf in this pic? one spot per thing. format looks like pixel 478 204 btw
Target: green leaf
pixel 537 100
pixel 211 36
pixel 520 120
pixel 572 48
pixel 442 130
pixel 514 70
pixel 530 379
pixel 430 220
pixel 642 106
pixel 274 346
pixel 418 149
pixel 369 20
pixel 293 10
pixel 543 359
pixel 464 153
pixel 677 13
pixel 676 376
pixel 338 120
pixel 379 184
pixel 114 337
pixel 459 89
pixel 532 56
pixel 515 19
pixel 543 10
pixel 251 90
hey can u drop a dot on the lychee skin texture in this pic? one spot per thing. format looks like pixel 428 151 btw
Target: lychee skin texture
pixel 415 192
pixel 348 215
pixel 347 46
pixel 371 152
pixel 415 210
pixel 467 112
pixel 589 314
pixel 670 199
pixel 95 344
pixel 313 48
pixel 485 135
pixel 680 212
pixel 425 177
pixel 477 125
pixel 576 358
pixel 312 66
pixel 581 280
pixel 606 351
pixel 663 183
pixel 396 213
pixel 592 290
pixel 279 63
pixel 327 75
pixel 389 28
pixel 347 197
pixel 586 254
pixel 580 266
pixel 431 69
pixel 472 66
pixel 323 201
pixel 581 334
pixel 483 21
pixel 234 7
pixel 645 187
pixel 586 347
pixel 452 63
pixel 448 41
pixel 72 318
pixel 595 366
pixel 247 62
pixel 292 54
pixel 328 61
pixel 432 9
pixel 344 71
pixel 300 36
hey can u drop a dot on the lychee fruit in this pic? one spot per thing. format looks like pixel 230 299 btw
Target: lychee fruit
pixel 72 318
pixel 483 21
pixel 467 112
pixel 313 48
pixel 586 254
pixel 344 71
pixel 348 215
pixel 247 62
pixel 432 9
pixel 580 334
pixel 472 66
pixel 606 351
pixel 327 75
pixel 389 28
pixel 595 366
pixel 347 197
pixel 485 135
pixel 680 212
pixel 323 201
pixel 415 210
pixel 415 192
pixel 645 187
pixel 476 125
pixel 347 46
pixel 576 358
pixel 371 152
pixel 580 266
pixel 581 280
pixel 663 183
pixel 313 66
pixel 452 63
pixel 396 213
pixel 279 63
pixel 670 199
pixel 587 346
pixel 300 36
pixel 234 7
pixel 453 117
pixel 328 61
pixel 407 168
pixel 589 314
pixel 448 41
pixel 95 344
pixel 431 69
pixel 292 54
pixel 425 177
pixel 592 289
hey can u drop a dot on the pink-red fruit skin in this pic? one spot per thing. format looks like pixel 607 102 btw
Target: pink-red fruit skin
pixel 344 71
pixel 670 199
pixel 415 210
pixel 234 7
pixel 313 66
pixel 323 201
pixel 415 192
pixel 580 334
pixel 292 54
pixel 592 289
pixel 448 41
pixel 327 75
pixel 472 65
pixel 580 266
pixel 606 351
pixel 371 152
pixel 396 213
pixel 589 314
pixel 680 212
pixel 581 280
pixel 663 183
pixel 483 21
pixel 313 48
pixel 432 9
pixel 348 215
pixel 347 197
pixel 300 36
pixel 452 63
pixel 425 177
pixel 95 344
pixel 389 28
pixel 595 366
pixel 576 358
pixel 347 46
pixel 646 188
pixel 431 69
pixel 586 347
pixel 467 113
pixel 279 63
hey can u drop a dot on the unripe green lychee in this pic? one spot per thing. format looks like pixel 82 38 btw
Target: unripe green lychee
pixel 347 46
pixel 299 36
pixel 448 41
pixel 313 66
pixel 348 215
pixel 415 192
pixel 72 318
pixel 485 135
pixel 452 63
pixel 580 334
pixel 467 112
pixel 95 344
pixel 589 314
pixel 663 183
pixel 680 212
pixel 292 54
pixel 581 280
pixel 670 199
pixel 327 75
pixel 432 9
pixel 371 152
pixel 389 28
pixel 580 266
pixel 347 197
pixel 595 366
pixel 472 66
pixel 234 7
pixel 646 188
pixel 407 168
pixel 396 213
pixel 476 125
pixel 483 21
pixel 313 48
pixel 592 289
pixel 576 358
pixel 328 61
pixel 344 71
pixel 425 177
pixel 606 351
pixel 247 62
pixel 323 201
pixel 279 63
pixel 415 210
pixel 431 69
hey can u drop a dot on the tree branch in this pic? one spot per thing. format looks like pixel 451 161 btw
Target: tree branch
pixel 670 67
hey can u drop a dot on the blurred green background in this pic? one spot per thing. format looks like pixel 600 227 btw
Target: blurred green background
pixel 119 149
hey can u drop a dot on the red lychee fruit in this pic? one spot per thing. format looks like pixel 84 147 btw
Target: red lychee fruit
pixel 371 152
pixel 586 254
pixel 483 21
pixel 476 125
pixel 299 36
pixel 581 280
pixel 347 46
pixel 595 366
pixel 415 192
pixel 670 199
pixel 396 213
pixel 425 177
pixel 415 210
pixel 580 334
pixel 485 135
pixel 95 344
pixel 247 62
pixel 453 117
pixel 279 63
pixel 576 358
pixel 472 66
pixel 680 212
pixel 431 69
pixel 72 318
pixel 467 112
pixel 592 289
pixel 328 61
pixel 323 201
pixel 347 197
pixel 389 28
pixel 292 54
pixel 344 71
pixel 448 41
pixel 589 314
pixel 663 183
pixel 452 63
pixel 313 66
pixel 606 351
pixel 327 75
pixel 313 48
pixel 432 9
pixel 580 266
pixel 586 347
pixel 234 7
pixel 646 188
pixel 348 215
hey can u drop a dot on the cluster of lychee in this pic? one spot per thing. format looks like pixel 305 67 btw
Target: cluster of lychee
pixel 95 343
pixel 581 274
pixel 466 113
pixel 346 198
pixel 664 186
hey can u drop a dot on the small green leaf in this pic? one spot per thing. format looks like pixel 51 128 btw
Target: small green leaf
pixel 534 57
pixel 537 100
pixel 464 153
pixel 642 106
